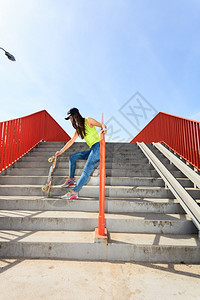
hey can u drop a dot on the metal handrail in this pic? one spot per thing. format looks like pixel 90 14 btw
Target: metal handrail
pixel 19 136
pixel 180 134
pixel 187 202
pixel 185 169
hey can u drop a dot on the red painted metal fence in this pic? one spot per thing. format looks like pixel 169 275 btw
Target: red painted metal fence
pixel 19 136
pixel 181 135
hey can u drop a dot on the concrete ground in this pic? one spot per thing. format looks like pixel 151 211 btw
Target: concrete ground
pixel 58 279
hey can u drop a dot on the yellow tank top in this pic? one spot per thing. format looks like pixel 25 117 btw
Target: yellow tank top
pixel 91 137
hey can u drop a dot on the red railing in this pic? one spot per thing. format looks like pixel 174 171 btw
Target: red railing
pixel 19 136
pixel 100 232
pixel 180 134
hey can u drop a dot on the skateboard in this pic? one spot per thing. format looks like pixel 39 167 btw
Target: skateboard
pixel 46 188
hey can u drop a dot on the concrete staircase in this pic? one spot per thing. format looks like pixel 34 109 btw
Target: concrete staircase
pixel 144 221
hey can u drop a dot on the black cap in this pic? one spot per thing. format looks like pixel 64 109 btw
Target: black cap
pixel 71 112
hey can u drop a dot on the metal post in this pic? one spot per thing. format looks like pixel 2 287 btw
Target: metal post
pixel 101 232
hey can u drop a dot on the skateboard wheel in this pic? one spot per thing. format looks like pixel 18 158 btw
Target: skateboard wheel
pixel 44 188
pixel 51 159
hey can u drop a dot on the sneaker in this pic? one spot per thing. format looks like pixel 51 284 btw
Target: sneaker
pixel 70 195
pixel 69 183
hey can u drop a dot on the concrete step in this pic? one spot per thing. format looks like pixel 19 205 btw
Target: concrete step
pixel 91 191
pixel 138 173
pixel 81 164
pixel 14 171
pixel 72 149
pixel 84 146
pixel 124 146
pixel 87 221
pixel 109 150
pixel 119 181
pixel 82 143
pixel 39 158
pixel 75 147
pixel 79 245
pixel 65 172
pixel 112 205
pixel 144 221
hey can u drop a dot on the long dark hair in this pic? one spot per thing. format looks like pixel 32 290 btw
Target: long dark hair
pixel 78 122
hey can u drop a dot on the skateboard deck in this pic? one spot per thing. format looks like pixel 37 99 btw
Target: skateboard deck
pixel 46 188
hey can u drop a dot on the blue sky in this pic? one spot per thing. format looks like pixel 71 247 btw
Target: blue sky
pixel 102 55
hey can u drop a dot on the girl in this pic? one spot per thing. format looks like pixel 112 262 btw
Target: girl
pixel 85 128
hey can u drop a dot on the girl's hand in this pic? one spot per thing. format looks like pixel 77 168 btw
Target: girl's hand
pixel 59 153
pixel 104 129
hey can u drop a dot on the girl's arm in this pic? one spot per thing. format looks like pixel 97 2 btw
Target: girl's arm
pixel 92 122
pixel 68 144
